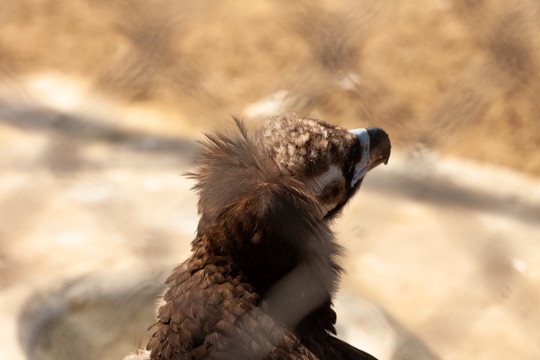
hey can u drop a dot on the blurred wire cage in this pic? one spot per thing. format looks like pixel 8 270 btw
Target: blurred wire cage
pixel 100 103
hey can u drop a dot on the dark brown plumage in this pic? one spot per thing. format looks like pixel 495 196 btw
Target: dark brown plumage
pixel 263 269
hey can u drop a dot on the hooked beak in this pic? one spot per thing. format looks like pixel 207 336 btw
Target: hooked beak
pixel 375 146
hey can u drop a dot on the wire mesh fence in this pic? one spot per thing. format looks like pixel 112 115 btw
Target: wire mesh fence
pixel 100 103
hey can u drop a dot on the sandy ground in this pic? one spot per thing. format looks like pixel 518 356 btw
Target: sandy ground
pixel 100 106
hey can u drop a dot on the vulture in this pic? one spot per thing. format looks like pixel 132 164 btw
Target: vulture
pixel 264 264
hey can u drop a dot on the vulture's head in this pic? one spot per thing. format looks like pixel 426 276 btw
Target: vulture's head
pixel 330 161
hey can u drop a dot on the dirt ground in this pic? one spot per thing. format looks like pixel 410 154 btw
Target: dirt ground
pixel 100 106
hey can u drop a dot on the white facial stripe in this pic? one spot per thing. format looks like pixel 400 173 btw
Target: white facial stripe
pixel 328 207
pixel 316 185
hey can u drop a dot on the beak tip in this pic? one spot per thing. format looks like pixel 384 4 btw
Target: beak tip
pixel 380 143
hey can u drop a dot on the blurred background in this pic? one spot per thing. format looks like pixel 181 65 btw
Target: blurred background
pixel 101 102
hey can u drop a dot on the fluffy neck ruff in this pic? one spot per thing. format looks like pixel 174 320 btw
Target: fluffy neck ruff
pixel 268 225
